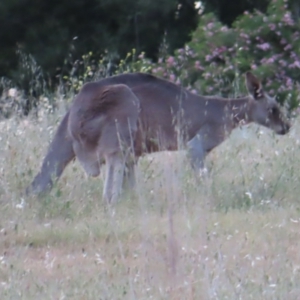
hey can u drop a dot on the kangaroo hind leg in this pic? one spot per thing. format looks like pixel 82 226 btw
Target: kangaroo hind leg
pixel 115 167
pixel 118 138
pixel 129 181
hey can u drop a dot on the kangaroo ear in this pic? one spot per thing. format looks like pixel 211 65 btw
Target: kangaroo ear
pixel 254 86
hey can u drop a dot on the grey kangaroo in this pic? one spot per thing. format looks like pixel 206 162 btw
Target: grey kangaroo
pixel 118 119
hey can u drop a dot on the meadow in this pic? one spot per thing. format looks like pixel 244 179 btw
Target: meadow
pixel 233 234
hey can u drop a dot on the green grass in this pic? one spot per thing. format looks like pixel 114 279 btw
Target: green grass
pixel 232 235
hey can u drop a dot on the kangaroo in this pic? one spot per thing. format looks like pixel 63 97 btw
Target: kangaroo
pixel 118 119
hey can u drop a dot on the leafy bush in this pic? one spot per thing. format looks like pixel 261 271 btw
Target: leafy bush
pixel 217 55
pixel 213 62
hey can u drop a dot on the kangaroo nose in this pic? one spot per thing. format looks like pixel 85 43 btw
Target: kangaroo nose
pixel 285 128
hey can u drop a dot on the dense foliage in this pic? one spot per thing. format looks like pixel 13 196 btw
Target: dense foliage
pixel 228 11
pixel 73 42
pixel 57 33
pixel 267 43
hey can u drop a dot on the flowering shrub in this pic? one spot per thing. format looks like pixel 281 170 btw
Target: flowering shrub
pixel 270 46
pixel 217 56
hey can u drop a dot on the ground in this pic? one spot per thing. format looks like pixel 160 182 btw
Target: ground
pixel 234 234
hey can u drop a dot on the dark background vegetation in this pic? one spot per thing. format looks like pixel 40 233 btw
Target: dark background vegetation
pixel 51 36
pixel 57 33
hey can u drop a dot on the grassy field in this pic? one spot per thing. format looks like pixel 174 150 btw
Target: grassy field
pixel 235 234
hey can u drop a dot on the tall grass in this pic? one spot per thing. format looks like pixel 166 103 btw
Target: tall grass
pixel 234 234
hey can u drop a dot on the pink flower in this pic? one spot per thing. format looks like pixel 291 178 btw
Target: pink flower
pixel 206 75
pixel 287 47
pixel 282 62
pixel 296 64
pixel 270 60
pixel 272 26
pixel 264 46
pixel 283 41
pixel 287 19
pixel 172 77
pixel 289 82
pixel 244 35
pixel 208 57
pixel 198 65
pixel 170 61
pixel 294 55
pixel 210 25
pixel 142 55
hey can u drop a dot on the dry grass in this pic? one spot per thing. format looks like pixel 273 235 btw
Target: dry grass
pixel 233 235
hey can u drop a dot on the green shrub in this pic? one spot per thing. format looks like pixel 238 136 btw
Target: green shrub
pixel 214 61
pixel 217 56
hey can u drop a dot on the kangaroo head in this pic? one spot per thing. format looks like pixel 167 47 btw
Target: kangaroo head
pixel 265 110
